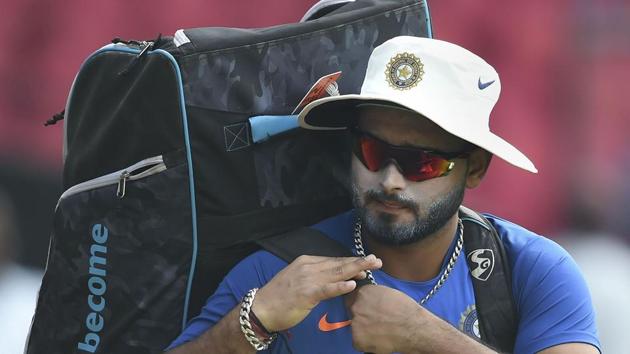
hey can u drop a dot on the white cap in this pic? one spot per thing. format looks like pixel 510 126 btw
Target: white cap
pixel 444 82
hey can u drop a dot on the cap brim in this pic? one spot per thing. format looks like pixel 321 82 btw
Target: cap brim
pixel 334 112
pixel 339 112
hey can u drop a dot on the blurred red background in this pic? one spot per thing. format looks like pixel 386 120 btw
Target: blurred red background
pixel 563 66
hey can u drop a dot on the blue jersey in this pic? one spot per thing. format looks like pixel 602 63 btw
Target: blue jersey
pixel 551 297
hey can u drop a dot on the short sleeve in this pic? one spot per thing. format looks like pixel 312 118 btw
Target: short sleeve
pixel 552 298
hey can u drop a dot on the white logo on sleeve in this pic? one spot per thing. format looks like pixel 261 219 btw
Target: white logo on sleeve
pixel 484 259
pixel 469 323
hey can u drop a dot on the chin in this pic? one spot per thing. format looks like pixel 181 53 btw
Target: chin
pixel 395 220
pixel 393 229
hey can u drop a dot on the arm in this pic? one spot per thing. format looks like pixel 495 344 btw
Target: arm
pixel 224 338
pixel 285 301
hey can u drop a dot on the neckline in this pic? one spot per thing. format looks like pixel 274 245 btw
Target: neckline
pixel 423 283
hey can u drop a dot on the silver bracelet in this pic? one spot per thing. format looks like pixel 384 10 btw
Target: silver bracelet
pixel 246 326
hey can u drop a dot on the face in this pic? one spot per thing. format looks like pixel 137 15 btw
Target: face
pixel 395 210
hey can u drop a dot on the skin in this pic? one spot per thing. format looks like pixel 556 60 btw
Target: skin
pixel 404 325
pixel 421 260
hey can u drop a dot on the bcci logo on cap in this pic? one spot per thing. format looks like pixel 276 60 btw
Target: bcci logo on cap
pixel 484 259
pixel 404 71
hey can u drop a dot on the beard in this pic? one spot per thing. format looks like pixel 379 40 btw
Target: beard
pixel 382 226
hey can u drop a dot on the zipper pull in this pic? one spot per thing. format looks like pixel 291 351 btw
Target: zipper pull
pixel 145 45
pixel 122 184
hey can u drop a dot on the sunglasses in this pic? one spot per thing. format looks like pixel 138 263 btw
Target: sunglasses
pixel 415 164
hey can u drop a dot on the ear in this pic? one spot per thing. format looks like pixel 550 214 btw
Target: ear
pixel 478 162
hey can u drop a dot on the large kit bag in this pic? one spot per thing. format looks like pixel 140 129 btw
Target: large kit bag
pixel 179 155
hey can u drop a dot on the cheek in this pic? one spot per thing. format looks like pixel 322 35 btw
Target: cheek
pixel 362 178
pixel 431 190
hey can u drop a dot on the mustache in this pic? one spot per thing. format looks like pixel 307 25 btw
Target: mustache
pixel 381 196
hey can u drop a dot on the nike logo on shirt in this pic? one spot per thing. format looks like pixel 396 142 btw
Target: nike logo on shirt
pixel 326 326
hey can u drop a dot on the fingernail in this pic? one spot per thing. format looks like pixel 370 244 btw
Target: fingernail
pixel 371 257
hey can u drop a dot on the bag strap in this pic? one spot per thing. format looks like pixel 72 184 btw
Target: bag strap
pixel 492 280
pixel 305 241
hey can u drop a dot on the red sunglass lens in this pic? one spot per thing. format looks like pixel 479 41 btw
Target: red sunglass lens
pixel 373 153
pixel 426 169
pixel 416 165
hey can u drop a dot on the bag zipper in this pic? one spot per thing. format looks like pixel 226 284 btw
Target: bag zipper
pixel 155 165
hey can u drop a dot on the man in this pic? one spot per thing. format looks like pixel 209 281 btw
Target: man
pixel 420 137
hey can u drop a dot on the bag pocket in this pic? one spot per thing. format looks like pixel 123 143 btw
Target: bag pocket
pixel 119 262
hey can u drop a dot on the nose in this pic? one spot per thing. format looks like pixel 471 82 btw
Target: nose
pixel 392 179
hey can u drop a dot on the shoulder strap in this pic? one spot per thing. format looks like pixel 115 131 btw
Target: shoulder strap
pixel 290 245
pixel 492 280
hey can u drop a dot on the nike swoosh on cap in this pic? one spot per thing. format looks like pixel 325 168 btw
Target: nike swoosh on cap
pixel 483 85
pixel 326 326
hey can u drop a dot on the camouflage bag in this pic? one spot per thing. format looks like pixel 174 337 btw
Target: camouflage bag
pixel 179 154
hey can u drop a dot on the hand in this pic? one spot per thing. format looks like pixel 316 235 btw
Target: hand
pixel 384 320
pixel 291 295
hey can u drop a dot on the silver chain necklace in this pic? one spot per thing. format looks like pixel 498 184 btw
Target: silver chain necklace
pixel 358 246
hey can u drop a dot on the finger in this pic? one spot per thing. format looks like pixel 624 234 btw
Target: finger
pixel 307 259
pixel 332 260
pixel 343 270
pixel 324 265
pixel 330 290
pixel 360 276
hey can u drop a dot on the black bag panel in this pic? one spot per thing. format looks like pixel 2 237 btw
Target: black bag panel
pixel 140 270
pixel 209 39
pixel 257 72
pixel 113 120
pixel 302 166
pixel 245 191
pixel 235 230
pixel 223 162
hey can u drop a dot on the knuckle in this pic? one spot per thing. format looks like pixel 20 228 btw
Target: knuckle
pixel 338 269
pixel 301 259
pixel 325 291
pixel 305 268
pixel 363 261
pixel 319 292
